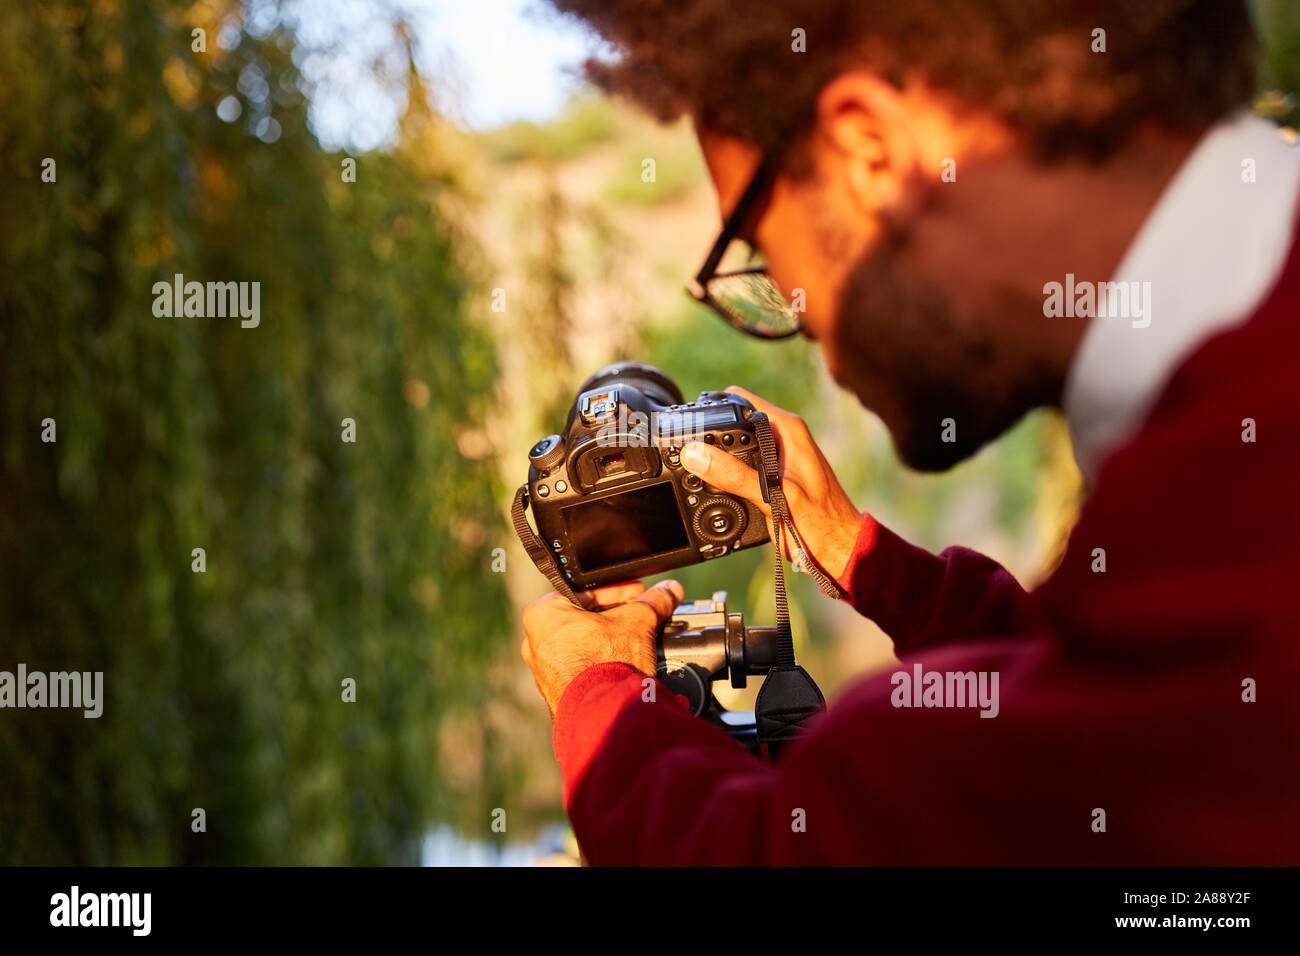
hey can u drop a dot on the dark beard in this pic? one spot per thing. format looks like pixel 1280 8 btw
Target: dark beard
pixel 915 359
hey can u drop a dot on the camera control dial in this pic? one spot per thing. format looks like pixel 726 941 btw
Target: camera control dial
pixel 719 520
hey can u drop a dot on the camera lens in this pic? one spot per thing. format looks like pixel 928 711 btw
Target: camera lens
pixel 646 379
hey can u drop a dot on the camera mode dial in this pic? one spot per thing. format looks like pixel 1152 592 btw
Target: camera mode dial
pixel 547 453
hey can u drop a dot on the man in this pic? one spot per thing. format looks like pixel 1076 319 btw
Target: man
pixel 953 185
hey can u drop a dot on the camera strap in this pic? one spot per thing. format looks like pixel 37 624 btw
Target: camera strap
pixel 789 696
pixel 536 547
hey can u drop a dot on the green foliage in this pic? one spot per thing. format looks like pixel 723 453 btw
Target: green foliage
pixel 325 560
pixel 1278 24
pixel 586 123
pixel 678 167
pixel 702 352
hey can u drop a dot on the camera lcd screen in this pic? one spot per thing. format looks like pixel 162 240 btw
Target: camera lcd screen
pixel 619 528
pixel 695 421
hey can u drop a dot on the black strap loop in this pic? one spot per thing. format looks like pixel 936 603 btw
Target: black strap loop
pixel 536 547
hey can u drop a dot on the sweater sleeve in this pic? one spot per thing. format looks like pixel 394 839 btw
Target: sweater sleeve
pixel 922 600
pixel 645 782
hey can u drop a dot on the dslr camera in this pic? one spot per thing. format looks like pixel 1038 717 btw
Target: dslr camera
pixel 610 497
pixel 612 502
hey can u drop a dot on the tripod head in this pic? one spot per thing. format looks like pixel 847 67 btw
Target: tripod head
pixel 703 643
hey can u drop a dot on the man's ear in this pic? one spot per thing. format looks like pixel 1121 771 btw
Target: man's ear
pixel 866 123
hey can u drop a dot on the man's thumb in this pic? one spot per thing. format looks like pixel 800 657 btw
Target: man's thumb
pixel 722 470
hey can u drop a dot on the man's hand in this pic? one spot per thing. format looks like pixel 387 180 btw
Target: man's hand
pixel 819 508
pixel 561 641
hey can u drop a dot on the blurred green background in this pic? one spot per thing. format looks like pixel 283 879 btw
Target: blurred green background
pixel 388 560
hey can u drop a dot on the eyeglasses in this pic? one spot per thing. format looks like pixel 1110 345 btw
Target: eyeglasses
pixel 748 298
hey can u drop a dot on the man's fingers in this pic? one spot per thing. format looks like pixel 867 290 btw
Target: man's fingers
pixel 610 594
pixel 663 599
pixel 550 607
pixel 787 425
pixel 546 611
pixel 723 471
pixel 762 404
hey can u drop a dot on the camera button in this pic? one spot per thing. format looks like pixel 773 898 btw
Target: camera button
pixel 692 500
pixel 543 491
pixel 744 439
pixel 561 487
pixel 693 482
pixel 728 439
pixel 555 545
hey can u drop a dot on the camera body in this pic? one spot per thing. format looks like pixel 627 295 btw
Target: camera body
pixel 610 497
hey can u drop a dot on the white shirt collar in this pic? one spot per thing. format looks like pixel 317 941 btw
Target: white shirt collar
pixel 1212 248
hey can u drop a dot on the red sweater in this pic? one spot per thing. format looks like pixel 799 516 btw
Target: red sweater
pixel 1120 691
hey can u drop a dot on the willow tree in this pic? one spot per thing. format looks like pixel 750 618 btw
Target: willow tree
pixel 266 538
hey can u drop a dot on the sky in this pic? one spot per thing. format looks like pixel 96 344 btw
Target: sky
pixel 511 56
pixel 491 62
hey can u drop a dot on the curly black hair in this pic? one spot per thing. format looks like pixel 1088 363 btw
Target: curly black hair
pixel 732 64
